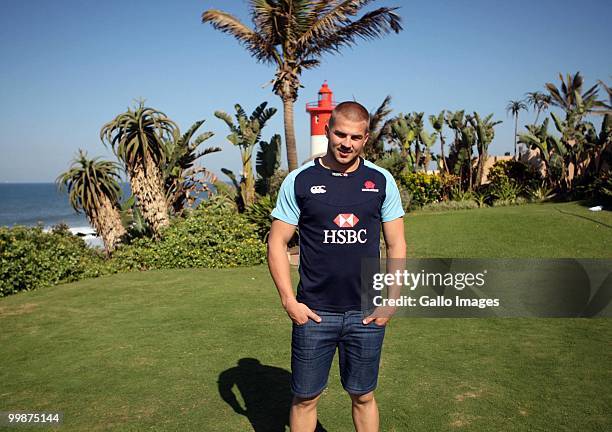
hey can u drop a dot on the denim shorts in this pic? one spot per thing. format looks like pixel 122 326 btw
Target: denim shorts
pixel 313 346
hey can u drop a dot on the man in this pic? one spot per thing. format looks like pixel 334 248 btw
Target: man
pixel 338 202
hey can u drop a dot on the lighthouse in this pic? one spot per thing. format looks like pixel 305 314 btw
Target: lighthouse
pixel 320 112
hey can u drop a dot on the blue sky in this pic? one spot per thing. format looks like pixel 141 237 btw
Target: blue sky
pixel 70 66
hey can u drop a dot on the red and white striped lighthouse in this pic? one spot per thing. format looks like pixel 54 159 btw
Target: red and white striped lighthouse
pixel 320 112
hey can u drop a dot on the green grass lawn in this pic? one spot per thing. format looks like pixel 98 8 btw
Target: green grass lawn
pixel 166 350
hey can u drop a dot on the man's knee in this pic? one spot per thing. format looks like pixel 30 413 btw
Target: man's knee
pixel 306 403
pixel 362 399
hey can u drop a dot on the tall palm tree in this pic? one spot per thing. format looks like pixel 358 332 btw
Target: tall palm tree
pixel 137 138
pixel 515 107
pixel 294 34
pixel 539 101
pixel 93 187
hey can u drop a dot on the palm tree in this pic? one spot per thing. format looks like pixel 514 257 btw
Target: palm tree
pixel 93 187
pixel 245 134
pixel 294 34
pixel 539 101
pixel 374 147
pixel 515 107
pixel 137 138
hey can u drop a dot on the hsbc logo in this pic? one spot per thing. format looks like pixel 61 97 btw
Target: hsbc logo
pixel 345 236
pixel 346 220
pixel 317 189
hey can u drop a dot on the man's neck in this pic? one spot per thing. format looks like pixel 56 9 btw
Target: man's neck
pixel 328 161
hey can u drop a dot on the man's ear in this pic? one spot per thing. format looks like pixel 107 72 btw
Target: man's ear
pixel 327 130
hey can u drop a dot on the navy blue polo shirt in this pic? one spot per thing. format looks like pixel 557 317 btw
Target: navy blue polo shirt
pixel 338 216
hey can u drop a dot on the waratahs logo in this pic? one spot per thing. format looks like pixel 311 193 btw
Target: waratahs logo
pixel 369 186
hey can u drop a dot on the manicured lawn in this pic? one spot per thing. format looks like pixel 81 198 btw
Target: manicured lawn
pixel 164 350
pixel 551 230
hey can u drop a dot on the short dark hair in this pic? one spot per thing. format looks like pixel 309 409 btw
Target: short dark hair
pixel 353 111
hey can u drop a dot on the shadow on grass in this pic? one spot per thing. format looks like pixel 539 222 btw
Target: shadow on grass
pixel 583 217
pixel 266 392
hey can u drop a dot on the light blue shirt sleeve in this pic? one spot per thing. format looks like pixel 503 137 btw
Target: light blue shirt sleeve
pixel 392 207
pixel 287 208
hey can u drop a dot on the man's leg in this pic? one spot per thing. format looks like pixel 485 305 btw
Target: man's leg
pixel 365 412
pixel 359 358
pixel 312 351
pixel 303 414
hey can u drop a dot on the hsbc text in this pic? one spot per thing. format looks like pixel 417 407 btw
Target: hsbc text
pixel 344 236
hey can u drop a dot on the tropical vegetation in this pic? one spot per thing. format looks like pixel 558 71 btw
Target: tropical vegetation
pixel 294 35
pixel 93 187
pixel 245 133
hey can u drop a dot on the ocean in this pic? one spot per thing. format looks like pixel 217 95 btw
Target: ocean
pixel 31 204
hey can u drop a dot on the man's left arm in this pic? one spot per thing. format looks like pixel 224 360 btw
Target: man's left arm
pixel 395 242
pixel 393 232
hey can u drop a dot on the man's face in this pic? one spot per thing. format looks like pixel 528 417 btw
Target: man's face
pixel 346 138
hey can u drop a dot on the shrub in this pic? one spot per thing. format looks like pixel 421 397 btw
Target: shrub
pixel 457 194
pixel 507 191
pixel 393 162
pixel 540 193
pixel 276 180
pixel 450 183
pixel 406 198
pixel 598 189
pixel 451 205
pixel 211 236
pixel 512 171
pixel 508 202
pixel 31 258
pixel 425 188
pixel 259 215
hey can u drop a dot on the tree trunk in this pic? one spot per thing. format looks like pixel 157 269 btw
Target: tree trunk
pixel 481 162
pixel 515 130
pixel 107 222
pixel 442 152
pixel 146 183
pixel 290 134
pixel 248 182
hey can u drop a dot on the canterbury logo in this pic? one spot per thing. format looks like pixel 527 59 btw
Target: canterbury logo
pixel 317 189
pixel 346 220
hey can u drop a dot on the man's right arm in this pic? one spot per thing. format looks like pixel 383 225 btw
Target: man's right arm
pixel 280 235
